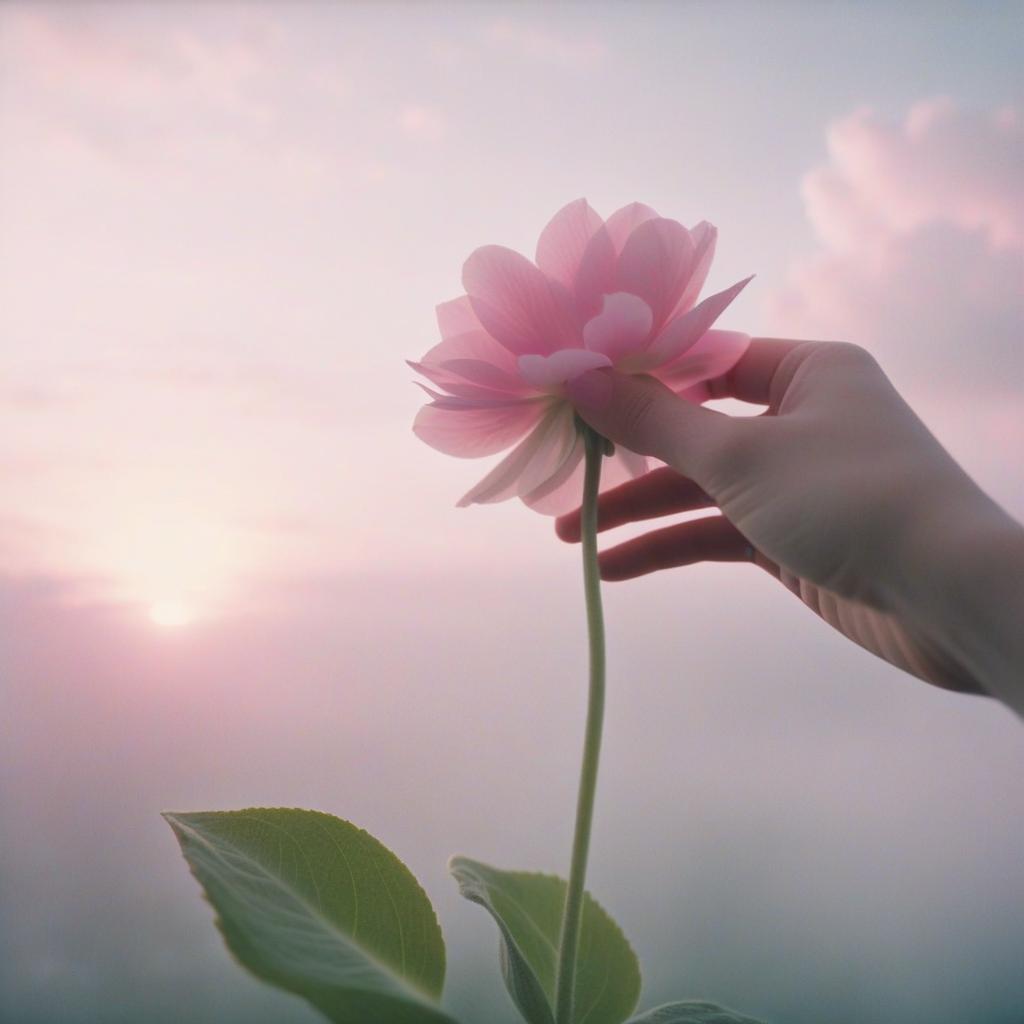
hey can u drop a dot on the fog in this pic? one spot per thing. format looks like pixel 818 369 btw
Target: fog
pixel 784 824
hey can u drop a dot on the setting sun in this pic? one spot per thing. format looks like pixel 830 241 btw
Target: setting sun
pixel 170 614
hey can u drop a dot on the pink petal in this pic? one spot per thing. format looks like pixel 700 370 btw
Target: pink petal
pixel 457 317
pixel 517 304
pixel 686 330
pixel 471 364
pixel 563 491
pixel 548 373
pixel 622 466
pixel 455 385
pixel 696 393
pixel 655 264
pixel 490 400
pixel 704 237
pixel 562 243
pixel 487 375
pixel 474 344
pixel 633 465
pixel 502 481
pixel 622 223
pixel 551 454
pixel 715 354
pixel 470 430
pixel 622 326
pixel 595 276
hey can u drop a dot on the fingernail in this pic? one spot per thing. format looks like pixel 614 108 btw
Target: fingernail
pixel 591 390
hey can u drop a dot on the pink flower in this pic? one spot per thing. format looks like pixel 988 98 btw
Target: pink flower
pixel 619 293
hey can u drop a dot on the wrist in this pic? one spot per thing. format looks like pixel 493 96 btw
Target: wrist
pixel 957 579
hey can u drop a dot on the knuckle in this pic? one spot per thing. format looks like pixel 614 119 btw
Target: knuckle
pixel 637 414
pixel 735 451
pixel 851 353
pixel 818 365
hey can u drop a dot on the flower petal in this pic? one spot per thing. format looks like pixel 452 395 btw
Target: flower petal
pixel 595 276
pixel 454 385
pixel 487 375
pixel 468 429
pixel 562 243
pixel 716 353
pixel 471 364
pixel 551 454
pixel 501 483
pixel 704 236
pixel 457 317
pixel 622 326
pixel 549 373
pixel 656 263
pixel 633 465
pixel 517 303
pixel 696 393
pixel 686 330
pixel 472 344
pixel 622 223
pixel 563 491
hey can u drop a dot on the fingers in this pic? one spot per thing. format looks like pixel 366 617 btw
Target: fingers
pixel 661 492
pixel 712 539
pixel 646 417
pixel 755 377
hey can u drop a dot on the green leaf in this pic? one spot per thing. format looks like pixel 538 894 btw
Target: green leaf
pixel 528 911
pixel 691 1013
pixel 318 907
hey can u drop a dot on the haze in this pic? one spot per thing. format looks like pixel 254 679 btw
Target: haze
pixel 230 575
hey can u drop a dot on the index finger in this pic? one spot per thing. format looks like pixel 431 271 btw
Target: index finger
pixel 661 492
pixel 753 376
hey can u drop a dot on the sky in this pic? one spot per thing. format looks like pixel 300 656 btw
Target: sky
pixel 230 575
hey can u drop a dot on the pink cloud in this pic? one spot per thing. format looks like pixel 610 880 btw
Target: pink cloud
pixel 423 122
pixel 921 227
pixel 942 165
pixel 545 44
pixel 921 260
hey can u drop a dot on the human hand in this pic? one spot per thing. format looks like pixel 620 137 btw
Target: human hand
pixel 830 490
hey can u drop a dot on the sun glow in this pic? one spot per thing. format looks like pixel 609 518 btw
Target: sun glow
pixel 170 614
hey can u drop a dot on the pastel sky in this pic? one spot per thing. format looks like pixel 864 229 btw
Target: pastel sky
pixel 223 228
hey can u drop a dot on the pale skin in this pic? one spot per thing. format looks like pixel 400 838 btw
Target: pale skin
pixel 840 492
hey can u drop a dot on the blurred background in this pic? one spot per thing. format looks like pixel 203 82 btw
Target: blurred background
pixel 229 574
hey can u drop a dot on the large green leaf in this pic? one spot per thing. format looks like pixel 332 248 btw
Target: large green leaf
pixel 319 907
pixel 528 911
pixel 691 1013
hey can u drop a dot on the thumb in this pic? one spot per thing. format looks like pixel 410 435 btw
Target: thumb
pixel 646 417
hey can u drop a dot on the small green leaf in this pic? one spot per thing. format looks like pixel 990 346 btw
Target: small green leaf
pixel 691 1013
pixel 528 911
pixel 318 907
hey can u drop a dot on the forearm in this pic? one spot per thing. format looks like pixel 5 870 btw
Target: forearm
pixel 959 581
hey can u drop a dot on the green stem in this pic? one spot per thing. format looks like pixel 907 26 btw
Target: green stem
pixel 573 913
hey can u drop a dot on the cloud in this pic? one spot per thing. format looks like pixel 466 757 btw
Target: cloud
pixel 921 229
pixel 423 122
pixel 943 165
pixel 105 67
pixel 176 87
pixel 547 45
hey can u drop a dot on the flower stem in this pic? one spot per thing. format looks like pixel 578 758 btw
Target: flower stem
pixel 573 913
